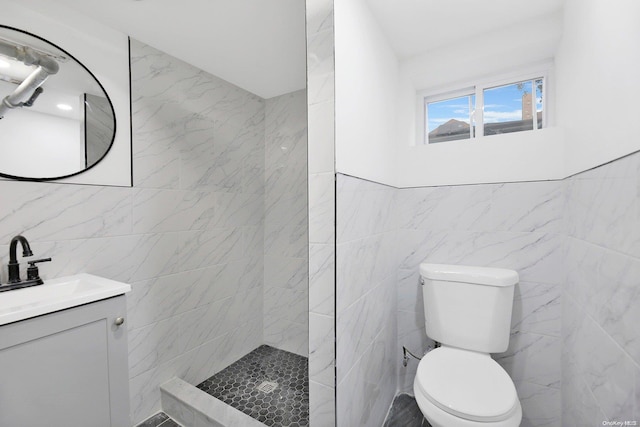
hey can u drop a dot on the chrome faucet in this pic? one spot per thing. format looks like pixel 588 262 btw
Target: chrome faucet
pixel 14 266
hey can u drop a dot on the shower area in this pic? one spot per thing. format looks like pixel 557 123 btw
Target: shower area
pixel 223 172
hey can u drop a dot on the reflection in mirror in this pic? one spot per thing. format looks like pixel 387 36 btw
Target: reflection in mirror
pixel 55 118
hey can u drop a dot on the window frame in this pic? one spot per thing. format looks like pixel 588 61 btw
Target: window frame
pixel 477 88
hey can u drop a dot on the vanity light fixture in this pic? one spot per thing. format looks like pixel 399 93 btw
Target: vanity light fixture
pixel 64 107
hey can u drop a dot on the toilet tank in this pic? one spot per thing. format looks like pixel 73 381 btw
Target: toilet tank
pixel 468 307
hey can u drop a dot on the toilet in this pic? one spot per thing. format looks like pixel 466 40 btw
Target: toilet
pixel 468 311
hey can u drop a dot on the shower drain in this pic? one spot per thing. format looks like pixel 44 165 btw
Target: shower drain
pixel 267 386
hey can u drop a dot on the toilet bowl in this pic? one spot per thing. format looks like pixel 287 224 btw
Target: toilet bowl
pixel 468 310
pixel 459 388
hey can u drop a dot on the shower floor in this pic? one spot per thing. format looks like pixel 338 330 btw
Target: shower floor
pixel 286 405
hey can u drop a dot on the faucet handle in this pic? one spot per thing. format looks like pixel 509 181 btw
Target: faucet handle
pixel 32 271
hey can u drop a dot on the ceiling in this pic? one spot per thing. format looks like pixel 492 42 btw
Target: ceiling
pixel 416 26
pixel 258 45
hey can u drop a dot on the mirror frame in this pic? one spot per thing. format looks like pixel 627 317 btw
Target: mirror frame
pixel 115 120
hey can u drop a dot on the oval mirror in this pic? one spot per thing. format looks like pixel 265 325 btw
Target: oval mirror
pixel 56 120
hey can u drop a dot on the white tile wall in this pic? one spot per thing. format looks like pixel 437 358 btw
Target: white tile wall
pixel 321 182
pixel 601 337
pixel 286 271
pixel 574 351
pixel 503 225
pixel 513 225
pixel 198 173
pixel 366 267
pixel 383 234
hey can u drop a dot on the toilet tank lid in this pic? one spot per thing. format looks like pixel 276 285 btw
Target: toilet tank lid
pixel 468 274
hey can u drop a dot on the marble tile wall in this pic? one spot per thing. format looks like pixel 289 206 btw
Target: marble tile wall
pixel 198 170
pixel 321 182
pixel 576 245
pixel 366 268
pixel 513 225
pixel 286 283
pixel 601 319
pixel 188 235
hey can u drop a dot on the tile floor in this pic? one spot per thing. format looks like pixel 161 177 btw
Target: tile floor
pixel 287 405
pixel 405 412
pixel 158 420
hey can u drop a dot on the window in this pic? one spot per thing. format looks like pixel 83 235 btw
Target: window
pixel 484 109
pixel 451 118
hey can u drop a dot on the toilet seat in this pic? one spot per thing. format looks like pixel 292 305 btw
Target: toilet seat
pixel 466 384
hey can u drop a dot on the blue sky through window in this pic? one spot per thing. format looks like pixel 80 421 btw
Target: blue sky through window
pixel 501 104
pixel 455 108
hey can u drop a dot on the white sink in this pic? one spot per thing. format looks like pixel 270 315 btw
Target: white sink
pixel 57 294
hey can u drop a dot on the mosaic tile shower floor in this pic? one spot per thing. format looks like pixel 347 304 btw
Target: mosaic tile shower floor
pixel 286 406
pixel 159 420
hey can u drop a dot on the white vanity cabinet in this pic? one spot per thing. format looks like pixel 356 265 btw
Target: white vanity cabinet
pixel 67 368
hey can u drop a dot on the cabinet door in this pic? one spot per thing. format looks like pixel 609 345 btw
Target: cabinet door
pixel 66 369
